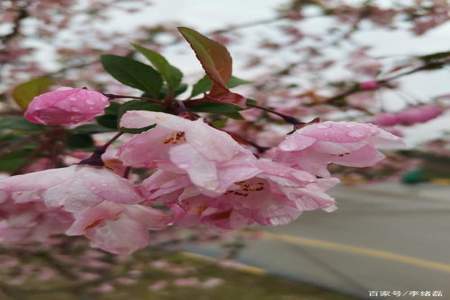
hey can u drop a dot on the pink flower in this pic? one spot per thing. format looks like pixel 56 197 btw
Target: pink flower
pixel 118 228
pixel 211 158
pixel 213 282
pixel 364 99
pixel 277 195
pixel 105 288
pixel 84 200
pixel 189 281
pixel 163 185
pixel 313 147
pixel 66 106
pixel 31 222
pixel 40 164
pixel 158 285
pixel 73 188
pixel 111 160
pixel 363 64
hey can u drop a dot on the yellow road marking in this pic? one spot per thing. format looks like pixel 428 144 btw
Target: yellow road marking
pixel 441 181
pixel 230 264
pixel 363 251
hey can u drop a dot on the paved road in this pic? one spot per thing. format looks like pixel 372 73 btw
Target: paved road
pixel 383 238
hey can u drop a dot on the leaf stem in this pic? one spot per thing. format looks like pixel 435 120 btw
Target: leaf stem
pixel 114 96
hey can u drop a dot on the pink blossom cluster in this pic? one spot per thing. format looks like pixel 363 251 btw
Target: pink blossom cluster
pixel 77 200
pixel 199 175
pixel 410 116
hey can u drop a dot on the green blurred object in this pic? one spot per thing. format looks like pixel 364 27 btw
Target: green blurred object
pixel 415 176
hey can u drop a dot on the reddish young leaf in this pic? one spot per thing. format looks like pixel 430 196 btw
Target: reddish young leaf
pixel 228 97
pixel 214 57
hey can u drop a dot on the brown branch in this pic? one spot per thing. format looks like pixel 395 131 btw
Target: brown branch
pixel 240 139
pixel 249 24
pixel 289 119
pixel 384 82
pixel 22 14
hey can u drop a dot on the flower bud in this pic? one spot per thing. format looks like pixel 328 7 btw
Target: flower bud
pixel 419 114
pixel 386 119
pixel 66 106
pixel 369 85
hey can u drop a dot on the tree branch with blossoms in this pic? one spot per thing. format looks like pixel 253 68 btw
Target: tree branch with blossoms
pixel 167 163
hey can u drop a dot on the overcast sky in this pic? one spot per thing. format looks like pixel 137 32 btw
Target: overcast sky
pixel 207 15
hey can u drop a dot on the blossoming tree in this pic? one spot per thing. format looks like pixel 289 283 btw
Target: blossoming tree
pixel 114 145
pixel 191 171
pixel 121 162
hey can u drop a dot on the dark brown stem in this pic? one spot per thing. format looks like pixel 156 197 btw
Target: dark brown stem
pixel 181 110
pixel 242 140
pixel 288 119
pixel 126 173
pixel 96 158
pixel 112 140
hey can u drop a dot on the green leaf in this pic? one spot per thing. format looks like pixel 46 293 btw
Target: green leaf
pixel 251 102
pixel 164 92
pixel 181 89
pixel 138 105
pixel 236 81
pixel 108 121
pixel 215 107
pixel 113 108
pixel 435 57
pixel 234 115
pixel 18 123
pixel 204 85
pixel 171 74
pixel 7 138
pixel 136 130
pixel 133 73
pixel 90 129
pixel 80 141
pixel 26 91
pixel 214 57
pixel 219 123
pixel 12 161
